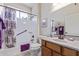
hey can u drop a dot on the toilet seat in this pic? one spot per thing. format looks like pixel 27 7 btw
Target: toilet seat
pixel 35 46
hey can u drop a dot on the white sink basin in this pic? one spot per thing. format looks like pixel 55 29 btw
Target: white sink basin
pixel 65 40
pixel 60 40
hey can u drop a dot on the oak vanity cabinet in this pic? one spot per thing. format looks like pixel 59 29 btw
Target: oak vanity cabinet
pixel 78 53
pixel 52 49
pixel 46 51
pixel 49 49
pixel 56 54
pixel 69 52
pixel 56 49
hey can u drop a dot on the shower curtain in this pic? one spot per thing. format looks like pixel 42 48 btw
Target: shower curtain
pixel 0 39
pixel 10 23
pixel 2 26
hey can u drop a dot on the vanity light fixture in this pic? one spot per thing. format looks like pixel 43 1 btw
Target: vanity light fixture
pixel 43 20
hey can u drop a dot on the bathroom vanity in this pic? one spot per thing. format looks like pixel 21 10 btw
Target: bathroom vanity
pixel 58 47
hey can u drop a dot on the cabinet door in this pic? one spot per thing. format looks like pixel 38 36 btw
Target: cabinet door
pixel 46 51
pixel 54 47
pixel 56 54
pixel 69 52
pixel 78 53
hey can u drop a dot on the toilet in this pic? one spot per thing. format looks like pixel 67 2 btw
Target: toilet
pixel 35 49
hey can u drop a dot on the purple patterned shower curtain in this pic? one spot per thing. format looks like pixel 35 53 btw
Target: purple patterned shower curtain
pixel 10 24
pixel 0 39
pixel 2 26
pixel 0 34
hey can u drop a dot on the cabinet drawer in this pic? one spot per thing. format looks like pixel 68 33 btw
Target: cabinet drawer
pixel 78 53
pixel 43 42
pixel 56 54
pixel 69 52
pixel 46 51
pixel 54 47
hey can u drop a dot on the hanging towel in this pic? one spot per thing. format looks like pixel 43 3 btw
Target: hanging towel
pixel 25 47
pixel 3 25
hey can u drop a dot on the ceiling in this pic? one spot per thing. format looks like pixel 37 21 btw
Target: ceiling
pixel 30 4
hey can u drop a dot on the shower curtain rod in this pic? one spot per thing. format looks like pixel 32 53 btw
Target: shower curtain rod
pixel 18 10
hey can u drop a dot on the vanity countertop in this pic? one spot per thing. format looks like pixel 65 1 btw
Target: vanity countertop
pixel 63 42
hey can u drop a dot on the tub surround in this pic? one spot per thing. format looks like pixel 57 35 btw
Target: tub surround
pixel 60 46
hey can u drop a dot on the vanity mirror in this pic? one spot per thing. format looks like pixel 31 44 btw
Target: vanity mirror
pixel 68 16
pixel 72 24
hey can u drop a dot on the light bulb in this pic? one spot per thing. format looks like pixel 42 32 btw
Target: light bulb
pixel 44 21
